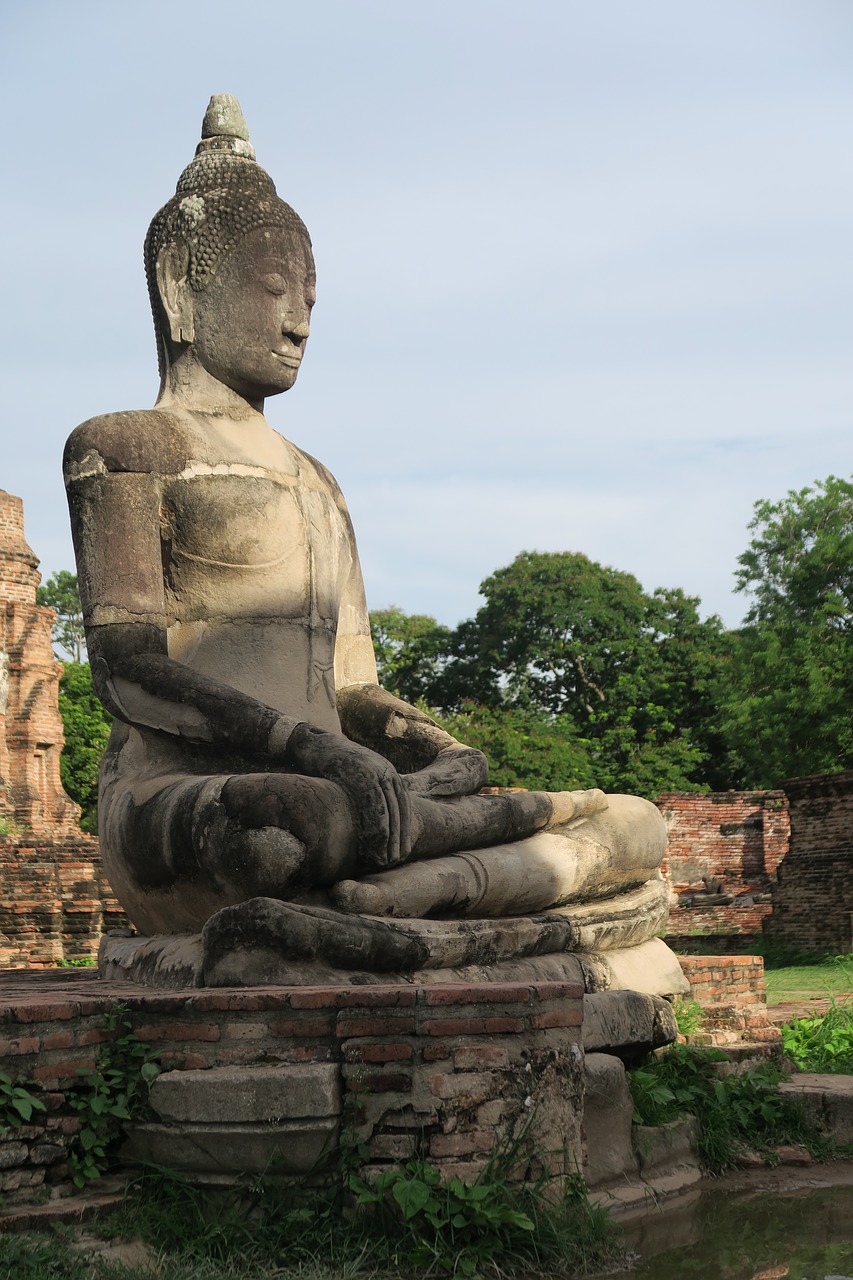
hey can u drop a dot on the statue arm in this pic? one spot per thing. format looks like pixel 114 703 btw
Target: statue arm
pixel 430 760
pixel 115 519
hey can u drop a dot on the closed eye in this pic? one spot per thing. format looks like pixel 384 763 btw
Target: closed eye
pixel 274 283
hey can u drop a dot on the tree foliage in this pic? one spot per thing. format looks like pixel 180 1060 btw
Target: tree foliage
pixel 788 710
pixel 411 651
pixel 571 675
pixel 629 677
pixel 60 593
pixel 87 728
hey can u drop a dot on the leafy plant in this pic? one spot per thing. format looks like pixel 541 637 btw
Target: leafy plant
pixel 112 1092
pixel 451 1226
pixel 821 1043
pixel 688 1016
pixel 17 1103
pixel 733 1112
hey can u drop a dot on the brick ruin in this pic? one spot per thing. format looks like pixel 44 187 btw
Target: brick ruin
pixel 724 852
pixel 813 899
pixel 54 901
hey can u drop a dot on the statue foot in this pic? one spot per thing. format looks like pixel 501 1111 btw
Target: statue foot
pixel 568 805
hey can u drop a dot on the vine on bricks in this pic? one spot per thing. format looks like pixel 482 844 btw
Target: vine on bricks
pixel 109 1094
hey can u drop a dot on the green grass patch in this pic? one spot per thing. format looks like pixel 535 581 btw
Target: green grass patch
pixel 830 977
pixel 408 1222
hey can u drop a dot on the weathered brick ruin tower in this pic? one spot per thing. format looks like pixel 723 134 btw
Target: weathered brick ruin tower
pixel 53 897
pixel 31 737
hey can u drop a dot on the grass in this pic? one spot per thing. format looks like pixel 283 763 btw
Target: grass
pixel 829 977
pixel 268 1231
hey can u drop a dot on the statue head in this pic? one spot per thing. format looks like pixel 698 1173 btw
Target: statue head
pixel 224 234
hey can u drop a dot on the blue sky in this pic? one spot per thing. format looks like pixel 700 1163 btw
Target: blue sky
pixel 584 270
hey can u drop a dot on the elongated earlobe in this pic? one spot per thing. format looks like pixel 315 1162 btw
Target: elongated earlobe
pixel 175 292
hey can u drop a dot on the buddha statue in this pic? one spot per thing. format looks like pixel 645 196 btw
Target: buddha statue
pixel 261 796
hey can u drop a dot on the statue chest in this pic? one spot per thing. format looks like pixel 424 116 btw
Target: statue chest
pixel 239 542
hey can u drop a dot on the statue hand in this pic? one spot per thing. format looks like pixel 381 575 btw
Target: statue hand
pixel 455 771
pixel 375 790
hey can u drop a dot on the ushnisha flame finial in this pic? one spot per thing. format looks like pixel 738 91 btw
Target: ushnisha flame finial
pixel 224 127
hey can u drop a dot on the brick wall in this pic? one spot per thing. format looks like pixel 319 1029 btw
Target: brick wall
pixel 739 837
pixel 813 900
pixel 733 994
pixel 444 1071
pixel 55 902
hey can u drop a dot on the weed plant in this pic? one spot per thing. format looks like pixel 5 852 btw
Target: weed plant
pixel 734 1113
pixel 822 1043
pixel 408 1222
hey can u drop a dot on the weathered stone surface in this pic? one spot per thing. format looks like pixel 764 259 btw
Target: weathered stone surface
pixel 607 1121
pixel 651 967
pixel 828 1099
pixel 163 961
pixel 243 1095
pixel 627 1021
pixel 624 920
pixel 666 1146
pixel 290 1148
pixel 259 786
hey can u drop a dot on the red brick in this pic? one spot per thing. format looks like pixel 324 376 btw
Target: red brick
pixel 354 1052
pixel 558 1018
pixel 179 1031
pixel 473 1026
pixel 26 1044
pixel 377 997
pixel 482 993
pixel 176 1061
pixel 460 1144
pixel 476 1057
pixel 90 1035
pixel 62 1070
pixel 435 1052
pixel 57 1040
pixel 356 1028
pixel 315 1028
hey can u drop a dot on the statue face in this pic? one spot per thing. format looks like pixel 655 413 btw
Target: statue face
pixel 251 321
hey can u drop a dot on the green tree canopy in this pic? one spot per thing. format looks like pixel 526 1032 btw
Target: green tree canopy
pixel 411 652
pixel 87 728
pixel 60 593
pixel 570 675
pixel 789 708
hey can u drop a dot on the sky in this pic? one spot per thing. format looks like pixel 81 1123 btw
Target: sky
pixel 584 269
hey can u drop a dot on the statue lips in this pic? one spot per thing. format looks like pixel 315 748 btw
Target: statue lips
pixel 285 357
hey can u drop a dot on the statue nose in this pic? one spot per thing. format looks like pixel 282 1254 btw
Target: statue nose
pixel 298 331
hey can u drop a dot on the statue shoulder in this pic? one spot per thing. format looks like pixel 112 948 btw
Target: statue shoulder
pixel 139 440
pixel 327 480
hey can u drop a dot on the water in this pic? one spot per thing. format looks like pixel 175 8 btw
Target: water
pixel 735 1234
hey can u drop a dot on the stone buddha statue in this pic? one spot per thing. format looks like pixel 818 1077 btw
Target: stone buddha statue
pixel 262 798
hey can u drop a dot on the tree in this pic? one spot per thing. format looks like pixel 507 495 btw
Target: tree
pixel 411 651
pixel 87 728
pixel 788 712
pixel 524 748
pixel 60 593
pixel 631 675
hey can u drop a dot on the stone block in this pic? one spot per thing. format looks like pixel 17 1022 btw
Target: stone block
pixel 292 1147
pixel 247 1095
pixel 608 1110
pixel 828 1099
pixel 666 1146
pixel 626 1021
